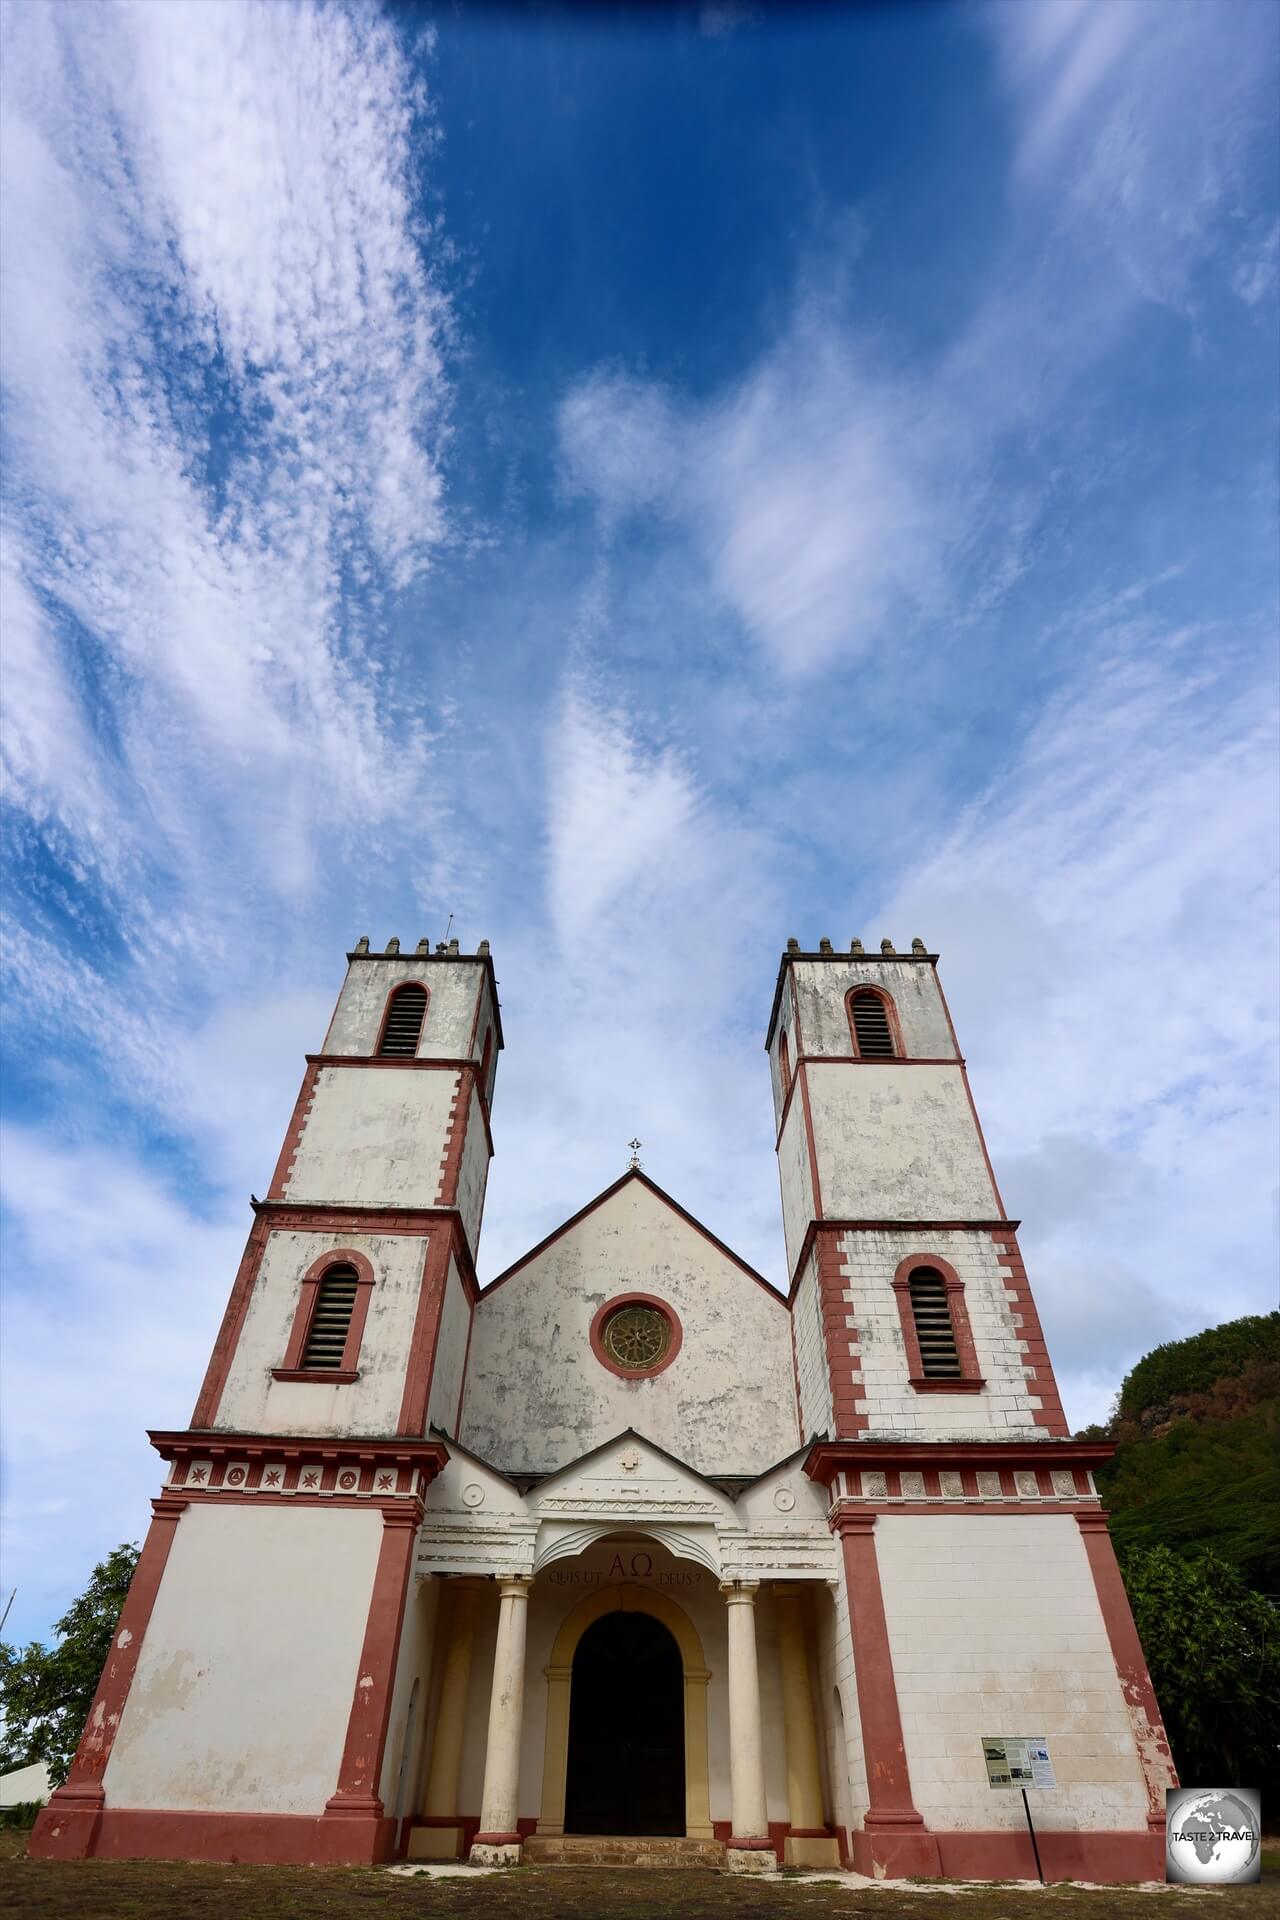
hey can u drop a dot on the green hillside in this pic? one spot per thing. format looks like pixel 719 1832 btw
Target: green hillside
pixel 1197 1432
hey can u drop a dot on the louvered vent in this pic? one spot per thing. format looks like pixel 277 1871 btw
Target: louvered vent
pixel 934 1331
pixel 404 1021
pixel 871 1026
pixel 331 1320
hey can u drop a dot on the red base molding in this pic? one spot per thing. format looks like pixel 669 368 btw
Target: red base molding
pixel 251 1839
pixel 1105 1857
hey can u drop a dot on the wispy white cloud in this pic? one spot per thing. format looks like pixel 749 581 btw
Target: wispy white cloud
pixel 225 399
pixel 1106 914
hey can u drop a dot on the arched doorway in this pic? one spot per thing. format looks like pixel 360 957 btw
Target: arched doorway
pixel 626 1729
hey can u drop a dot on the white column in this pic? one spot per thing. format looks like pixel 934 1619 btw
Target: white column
pixel 498 1841
pixel 748 1850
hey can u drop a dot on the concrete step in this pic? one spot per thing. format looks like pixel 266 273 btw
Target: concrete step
pixel 620 1850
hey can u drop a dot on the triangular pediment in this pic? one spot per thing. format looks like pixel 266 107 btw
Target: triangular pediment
pixel 614 1194
pixel 629 1477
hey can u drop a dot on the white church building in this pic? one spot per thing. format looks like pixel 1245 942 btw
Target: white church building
pixel 627 1554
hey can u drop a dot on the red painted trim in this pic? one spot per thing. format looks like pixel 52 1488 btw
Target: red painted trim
pixel 83 1793
pixel 634 1173
pixel 454 1141
pixel 294 1130
pixel 668 1313
pixel 287 1216
pixel 979 1503
pixel 891 1014
pixel 890 1804
pixel 399 987
pixel 249 1839
pixel 1150 1738
pixel 308 1295
pixel 802 1075
pixel 970 1380
pixel 844 1360
pixel 497 1840
pixel 1036 1364
pixel 357 1788
pixel 828 1457
pixel 224 1347
pixel 882 1060
pixel 421 1361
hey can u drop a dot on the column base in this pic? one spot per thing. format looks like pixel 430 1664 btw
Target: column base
pixel 743 1855
pixel 897 1851
pixel 811 1850
pixel 67 1829
pixel 495 1850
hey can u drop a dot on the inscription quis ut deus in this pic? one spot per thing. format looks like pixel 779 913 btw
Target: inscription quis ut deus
pixel 626 1565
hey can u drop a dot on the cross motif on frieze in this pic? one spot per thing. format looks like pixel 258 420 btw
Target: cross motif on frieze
pixel 311 1479
pixel 197 1473
pixel 384 1480
pixel 272 1479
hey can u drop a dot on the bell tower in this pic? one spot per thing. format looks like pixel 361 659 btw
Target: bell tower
pixel 913 1315
pixel 293 1499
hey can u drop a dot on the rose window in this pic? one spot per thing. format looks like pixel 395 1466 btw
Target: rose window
pixel 636 1337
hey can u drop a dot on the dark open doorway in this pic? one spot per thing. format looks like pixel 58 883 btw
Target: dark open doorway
pixel 626 1729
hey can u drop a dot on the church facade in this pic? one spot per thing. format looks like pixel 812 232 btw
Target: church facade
pixel 627 1553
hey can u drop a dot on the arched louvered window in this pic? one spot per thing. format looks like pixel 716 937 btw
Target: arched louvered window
pixel 873 1030
pixel 405 1014
pixel 935 1333
pixel 331 1319
pixel 784 1065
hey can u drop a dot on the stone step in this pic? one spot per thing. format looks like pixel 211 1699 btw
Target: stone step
pixel 620 1850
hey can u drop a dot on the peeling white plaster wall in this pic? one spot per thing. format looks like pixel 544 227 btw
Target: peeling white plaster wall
pixel 243 1690
pixel 811 1355
pixel 405 1745
pixel 452 989
pixel 451 1347
pixel 897 1143
pixel 796 1181
pixel 846 1767
pixel 537 1397
pixel 252 1402
pixel 995 1627
pixel 373 1137
pixel 822 985
pixel 473 1174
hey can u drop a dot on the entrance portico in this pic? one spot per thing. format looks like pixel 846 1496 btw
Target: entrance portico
pixel 625 1649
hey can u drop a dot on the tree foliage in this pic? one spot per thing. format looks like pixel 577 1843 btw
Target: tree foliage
pixel 46 1692
pixel 1213 1651
pixel 1184 1367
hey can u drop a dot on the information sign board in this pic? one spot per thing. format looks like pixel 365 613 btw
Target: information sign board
pixel 1017 1760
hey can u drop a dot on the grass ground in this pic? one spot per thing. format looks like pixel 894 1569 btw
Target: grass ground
pixel 153 1890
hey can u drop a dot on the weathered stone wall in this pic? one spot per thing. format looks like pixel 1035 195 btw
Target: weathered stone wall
pixel 1008 1403
pixel 451 1348
pixel 252 1402
pixel 453 987
pixel 373 1138
pixel 812 1371
pixel 537 1396
pixel 897 1143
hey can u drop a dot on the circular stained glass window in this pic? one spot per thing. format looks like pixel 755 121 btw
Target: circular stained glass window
pixel 636 1337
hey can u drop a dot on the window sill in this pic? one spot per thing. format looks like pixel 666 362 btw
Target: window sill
pixel 320 1376
pixel 922 1385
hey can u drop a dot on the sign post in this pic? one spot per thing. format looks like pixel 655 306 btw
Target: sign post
pixel 1022 1761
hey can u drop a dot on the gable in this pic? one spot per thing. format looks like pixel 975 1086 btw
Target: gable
pixel 538 1394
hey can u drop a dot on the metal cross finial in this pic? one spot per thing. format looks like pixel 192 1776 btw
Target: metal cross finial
pixel 635 1146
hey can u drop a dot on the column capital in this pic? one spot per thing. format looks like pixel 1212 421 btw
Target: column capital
pixel 848 1520
pixel 516 1588
pixel 741 1591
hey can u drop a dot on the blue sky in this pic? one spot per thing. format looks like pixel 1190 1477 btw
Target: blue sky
pixel 647 485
